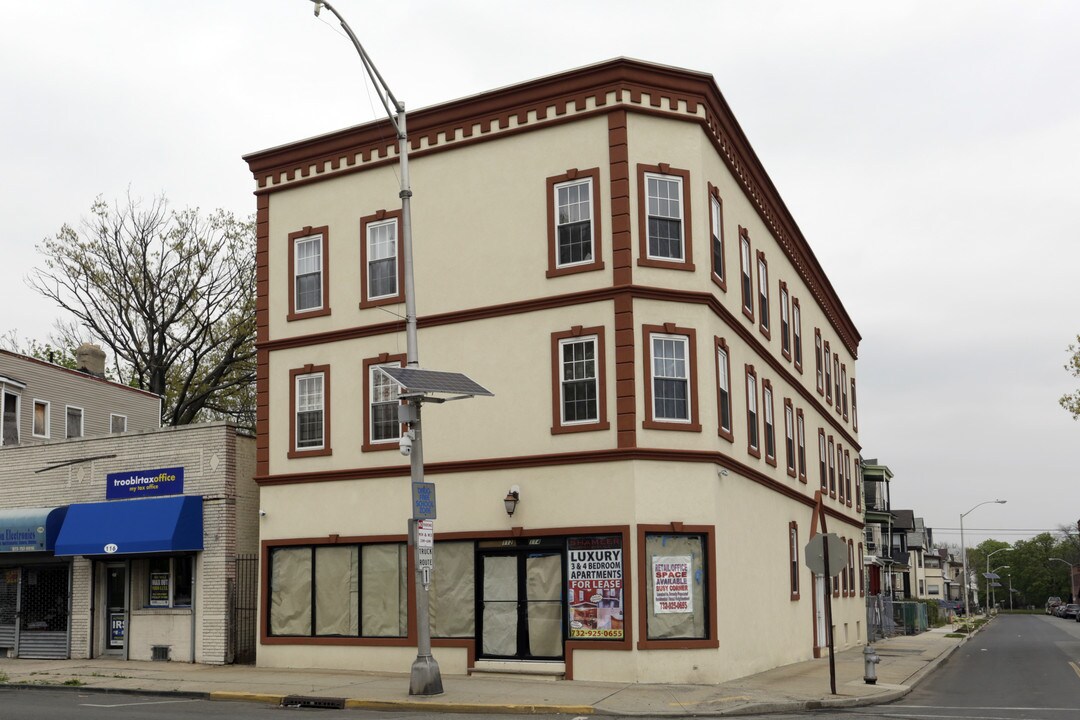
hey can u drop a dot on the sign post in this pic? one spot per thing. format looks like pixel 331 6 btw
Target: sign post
pixel 826 554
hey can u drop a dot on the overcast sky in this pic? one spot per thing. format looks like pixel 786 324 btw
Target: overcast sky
pixel 930 152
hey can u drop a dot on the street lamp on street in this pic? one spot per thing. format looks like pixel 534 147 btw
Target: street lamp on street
pixel 993 582
pixel 963 552
pixel 989 580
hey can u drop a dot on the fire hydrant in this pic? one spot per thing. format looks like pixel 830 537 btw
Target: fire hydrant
pixel 870 659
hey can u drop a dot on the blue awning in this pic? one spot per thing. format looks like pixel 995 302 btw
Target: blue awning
pixel 30 529
pixel 172 524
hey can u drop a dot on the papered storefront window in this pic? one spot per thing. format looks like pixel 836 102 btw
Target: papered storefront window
pixel 339 591
pixel 677 603
pixel 452 595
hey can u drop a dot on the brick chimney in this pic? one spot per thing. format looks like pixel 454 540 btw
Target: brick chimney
pixel 90 359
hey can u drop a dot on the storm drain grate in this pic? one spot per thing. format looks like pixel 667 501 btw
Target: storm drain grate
pixel 303 701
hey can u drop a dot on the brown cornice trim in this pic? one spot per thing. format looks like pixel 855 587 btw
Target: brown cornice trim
pixel 583 298
pixel 668 89
pixel 555 460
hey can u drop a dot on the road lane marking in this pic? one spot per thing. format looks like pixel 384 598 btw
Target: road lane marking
pixel 1075 667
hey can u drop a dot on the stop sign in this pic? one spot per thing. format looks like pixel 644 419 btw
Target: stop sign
pixel 818 546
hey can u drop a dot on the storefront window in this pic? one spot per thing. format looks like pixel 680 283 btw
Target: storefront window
pixel 452 596
pixel 167 581
pixel 359 591
pixel 677 603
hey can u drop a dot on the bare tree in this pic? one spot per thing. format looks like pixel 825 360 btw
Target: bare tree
pixel 1071 401
pixel 171 293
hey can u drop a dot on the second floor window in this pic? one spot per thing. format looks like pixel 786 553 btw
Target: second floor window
pixel 11 419
pixel 384 423
pixel 41 418
pixel 723 374
pixel 770 427
pixel 717 239
pixel 579 387
pixel 74 422
pixel 309 412
pixel 789 437
pixel 752 414
pixel 763 293
pixel 670 378
pixel 800 433
pixel 785 321
pixel 665 217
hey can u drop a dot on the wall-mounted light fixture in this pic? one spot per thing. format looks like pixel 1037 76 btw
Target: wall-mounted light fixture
pixel 511 500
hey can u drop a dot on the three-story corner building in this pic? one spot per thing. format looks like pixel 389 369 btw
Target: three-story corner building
pixel 674 380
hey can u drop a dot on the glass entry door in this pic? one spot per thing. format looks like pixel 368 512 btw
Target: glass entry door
pixel 115 607
pixel 521 615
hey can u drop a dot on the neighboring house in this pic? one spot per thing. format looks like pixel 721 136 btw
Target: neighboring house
pixel 674 380
pixel 879 527
pixel 43 401
pixel 118 537
pixel 933 565
pixel 904 573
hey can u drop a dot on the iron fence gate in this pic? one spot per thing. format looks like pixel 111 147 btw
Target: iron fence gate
pixel 245 592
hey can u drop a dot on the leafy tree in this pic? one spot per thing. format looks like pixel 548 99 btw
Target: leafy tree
pixel 1071 401
pixel 63 356
pixel 171 294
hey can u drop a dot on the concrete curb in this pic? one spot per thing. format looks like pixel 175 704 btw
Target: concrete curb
pixel 228 695
pixel 186 694
pixel 461 707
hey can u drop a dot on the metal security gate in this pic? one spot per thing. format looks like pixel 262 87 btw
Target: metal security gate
pixel 243 611
pixel 34 609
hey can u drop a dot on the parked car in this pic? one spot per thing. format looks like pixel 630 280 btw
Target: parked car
pixel 1052 602
pixel 1071 611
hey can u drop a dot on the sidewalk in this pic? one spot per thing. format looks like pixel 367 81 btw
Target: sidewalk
pixel 904 662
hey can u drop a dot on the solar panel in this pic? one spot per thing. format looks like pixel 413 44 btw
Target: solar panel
pixel 414 380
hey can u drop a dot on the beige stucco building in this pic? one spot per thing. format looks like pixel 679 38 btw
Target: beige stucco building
pixel 674 391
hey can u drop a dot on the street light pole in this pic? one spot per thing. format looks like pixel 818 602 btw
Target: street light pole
pixel 989 582
pixel 1072 569
pixel 993 583
pixel 963 552
pixel 425 678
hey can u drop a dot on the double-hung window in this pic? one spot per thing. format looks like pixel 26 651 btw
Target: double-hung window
pixel 817 361
pixel 832 468
pixel 847 474
pixel 840 472
pixel 670 378
pixel 800 432
pixel 828 375
pixel 854 407
pixel 723 385
pixel 752 442
pixel 770 426
pixel 822 455
pixel 382 273
pixel 382 425
pixel 665 217
pixel 745 273
pixel 308 263
pixel 763 293
pixel 844 389
pixel 117 423
pixel 785 321
pixel 789 436
pixel 310 418
pixel 836 380
pixel 716 233
pixel 10 401
pixel 793 558
pixel 796 331
pixel 573 222
pixel 579 389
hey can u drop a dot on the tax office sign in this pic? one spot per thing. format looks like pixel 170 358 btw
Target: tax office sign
pixel 144 483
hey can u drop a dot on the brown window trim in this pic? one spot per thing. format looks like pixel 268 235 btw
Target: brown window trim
pixel 764 295
pixel 366 445
pixel 793 559
pixel 851 567
pixel 755 422
pixel 687 263
pixel 858 485
pixel 650 423
pixel 785 328
pixel 841 496
pixel 823 460
pixel 720 343
pixel 326 448
pixel 792 452
pixel 381 216
pixel 836 379
pixel 818 368
pixel 746 272
pixel 828 373
pixel 844 389
pixel 571 175
pixel 308 231
pixel 832 467
pixel 601 423
pixel 709 531
pixel 854 410
pixel 847 474
pixel 770 404
pixel 719 280
pixel 862 572
pixel 796 334
pixel 800 421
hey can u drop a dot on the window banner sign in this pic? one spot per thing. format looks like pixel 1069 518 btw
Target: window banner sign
pixel 116 630
pixel 671 584
pixel 595 577
pixel 159 589
pixel 144 483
